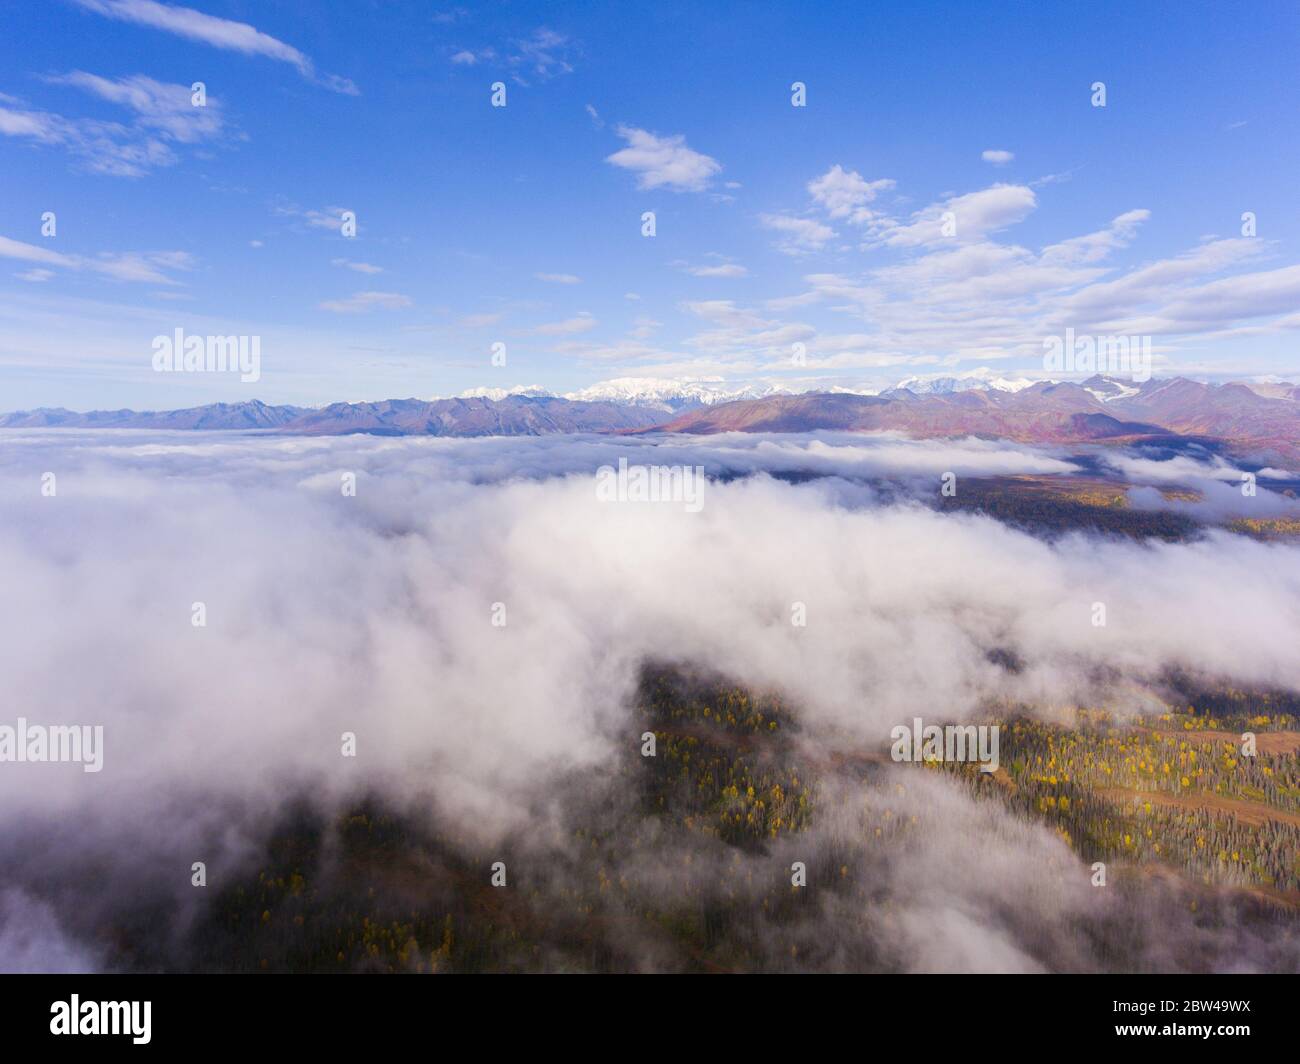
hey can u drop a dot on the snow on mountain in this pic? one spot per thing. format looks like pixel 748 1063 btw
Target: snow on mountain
pixel 949 385
pixel 1108 389
pixel 841 389
pixel 690 393
pixel 531 390
pixel 670 395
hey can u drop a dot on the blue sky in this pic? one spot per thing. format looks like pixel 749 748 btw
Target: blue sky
pixel 775 224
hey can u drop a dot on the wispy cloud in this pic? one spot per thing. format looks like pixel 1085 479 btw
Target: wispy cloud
pixel 798 235
pixel 718 269
pixel 544 53
pixel 361 302
pixel 217 32
pixel 162 116
pixel 973 215
pixel 973 296
pixel 167 108
pixel 359 267
pixel 480 321
pixel 644 327
pixel 329 218
pixel 450 16
pixel 149 267
pixel 579 323
pixel 997 156
pixel 558 278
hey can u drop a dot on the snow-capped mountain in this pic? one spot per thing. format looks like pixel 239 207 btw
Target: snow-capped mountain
pixel 1099 409
pixel 690 393
pixel 1108 389
pixel 949 385
pixel 670 395
pixel 533 390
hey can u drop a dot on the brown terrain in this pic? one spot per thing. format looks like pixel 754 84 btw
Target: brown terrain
pixel 1176 411
pixel 1259 420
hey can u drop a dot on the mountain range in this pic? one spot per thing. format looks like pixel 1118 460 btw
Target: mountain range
pixel 676 396
pixel 1251 418
pixel 513 415
pixel 1097 409
pixel 657 393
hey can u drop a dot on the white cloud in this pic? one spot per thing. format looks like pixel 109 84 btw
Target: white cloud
pixel 558 278
pixel 976 214
pixel 724 269
pixel 168 108
pixel 845 193
pixel 329 218
pixel 1156 282
pixel 544 53
pixel 1094 247
pixel 479 321
pixel 983 300
pixel 218 32
pixel 163 116
pixel 997 156
pixel 723 310
pixel 663 162
pixel 127 266
pixel 579 323
pixel 644 327
pixel 361 302
pixel 469 57
pixel 1205 306
pixel 480 727
pixel 799 234
pixel 737 331
pixel 359 267
pixel 36 276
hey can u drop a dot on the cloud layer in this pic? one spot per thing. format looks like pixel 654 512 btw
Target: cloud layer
pixel 329 613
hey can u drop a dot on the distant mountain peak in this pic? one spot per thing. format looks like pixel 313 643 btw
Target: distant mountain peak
pixel 1107 389
pixel 950 385
pixel 532 390
pixel 1261 419
pixel 669 395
